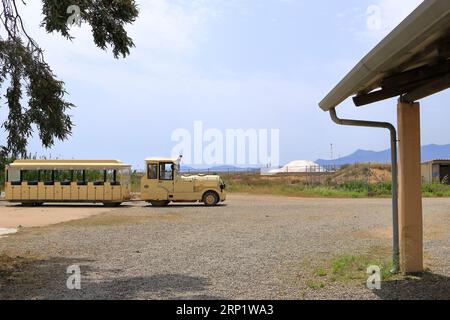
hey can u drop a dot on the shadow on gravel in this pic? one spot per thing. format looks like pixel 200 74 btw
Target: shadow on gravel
pixel 28 278
pixel 160 286
pixel 33 278
pixel 424 287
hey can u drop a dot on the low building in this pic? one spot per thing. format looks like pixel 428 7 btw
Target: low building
pixel 436 171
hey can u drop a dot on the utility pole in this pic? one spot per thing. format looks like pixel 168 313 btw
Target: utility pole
pixel 331 153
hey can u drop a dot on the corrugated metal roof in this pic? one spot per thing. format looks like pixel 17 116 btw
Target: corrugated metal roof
pixel 436 160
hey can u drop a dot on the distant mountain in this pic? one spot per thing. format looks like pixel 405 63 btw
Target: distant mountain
pixel 223 168
pixel 429 152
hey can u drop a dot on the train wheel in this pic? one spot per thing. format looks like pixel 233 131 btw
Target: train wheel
pixel 210 198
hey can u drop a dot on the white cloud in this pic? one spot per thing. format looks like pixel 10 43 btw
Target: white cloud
pixel 376 20
pixel 170 28
pixel 167 33
pixel 395 11
pixel 165 28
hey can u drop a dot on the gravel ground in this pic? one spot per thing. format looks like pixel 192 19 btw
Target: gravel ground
pixel 254 247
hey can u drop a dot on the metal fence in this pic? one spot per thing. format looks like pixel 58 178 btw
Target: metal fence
pixel 222 171
pixel 325 175
pixel 298 170
pixel 265 171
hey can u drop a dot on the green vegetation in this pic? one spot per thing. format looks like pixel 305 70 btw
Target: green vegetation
pixel 315 284
pixel 4 160
pixel 295 187
pixel 351 181
pixel 435 190
pixel 321 272
pixel 2 179
pixel 34 96
pixel 136 181
pixel 352 268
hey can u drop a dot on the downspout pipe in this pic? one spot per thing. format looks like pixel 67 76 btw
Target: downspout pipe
pixel 393 133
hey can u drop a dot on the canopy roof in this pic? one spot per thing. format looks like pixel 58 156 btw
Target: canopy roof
pixel 68 164
pixel 412 61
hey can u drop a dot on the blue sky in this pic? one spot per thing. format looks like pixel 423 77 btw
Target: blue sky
pixel 230 64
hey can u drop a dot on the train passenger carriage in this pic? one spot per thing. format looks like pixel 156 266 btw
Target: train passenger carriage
pixel 34 182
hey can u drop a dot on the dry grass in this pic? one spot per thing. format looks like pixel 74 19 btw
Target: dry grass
pixel 355 181
pixel 117 219
pixel 10 263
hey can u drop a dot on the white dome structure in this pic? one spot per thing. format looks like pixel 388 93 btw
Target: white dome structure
pixel 298 166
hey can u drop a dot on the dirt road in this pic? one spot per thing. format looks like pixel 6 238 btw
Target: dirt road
pixel 16 216
pixel 254 247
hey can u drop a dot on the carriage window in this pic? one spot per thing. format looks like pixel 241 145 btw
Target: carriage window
pixel 166 171
pixel 95 176
pixel 30 175
pixel 13 175
pixel 78 176
pixel 46 176
pixel 111 176
pixel 64 176
pixel 152 171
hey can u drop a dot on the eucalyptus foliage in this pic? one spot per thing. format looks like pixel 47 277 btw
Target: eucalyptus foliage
pixel 32 92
